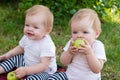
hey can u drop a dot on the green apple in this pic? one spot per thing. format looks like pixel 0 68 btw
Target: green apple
pixel 77 42
pixel 11 76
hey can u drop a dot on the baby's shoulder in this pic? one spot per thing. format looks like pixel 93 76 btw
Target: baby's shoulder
pixel 98 42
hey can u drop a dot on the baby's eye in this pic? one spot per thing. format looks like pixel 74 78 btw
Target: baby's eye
pixel 36 27
pixel 27 25
pixel 75 32
pixel 85 32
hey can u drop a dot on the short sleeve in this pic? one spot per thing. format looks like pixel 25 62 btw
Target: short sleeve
pixel 22 41
pixel 48 48
pixel 48 52
pixel 98 48
pixel 66 46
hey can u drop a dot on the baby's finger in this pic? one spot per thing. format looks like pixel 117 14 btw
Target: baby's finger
pixel 86 42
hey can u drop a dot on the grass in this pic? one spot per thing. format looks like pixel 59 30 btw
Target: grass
pixel 110 37
pixel 11 30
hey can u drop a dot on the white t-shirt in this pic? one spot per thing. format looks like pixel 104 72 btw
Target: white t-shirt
pixel 79 69
pixel 34 50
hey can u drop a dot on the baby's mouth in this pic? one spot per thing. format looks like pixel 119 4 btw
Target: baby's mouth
pixel 30 34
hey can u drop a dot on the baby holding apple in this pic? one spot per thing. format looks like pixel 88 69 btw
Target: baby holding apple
pixel 84 55
pixel 34 57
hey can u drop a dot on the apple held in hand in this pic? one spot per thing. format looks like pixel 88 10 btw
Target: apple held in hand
pixel 11 76
pixel 77 42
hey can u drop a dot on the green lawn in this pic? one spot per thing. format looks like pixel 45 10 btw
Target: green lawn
pixel 11 30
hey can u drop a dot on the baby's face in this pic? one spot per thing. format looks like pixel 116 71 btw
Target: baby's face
pixel 83 29
pixel 34 26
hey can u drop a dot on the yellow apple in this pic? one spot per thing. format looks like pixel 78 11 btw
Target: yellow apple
pixel 77 42
pixel 11 76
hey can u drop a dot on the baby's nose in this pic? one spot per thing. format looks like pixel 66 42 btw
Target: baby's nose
pixel 80 36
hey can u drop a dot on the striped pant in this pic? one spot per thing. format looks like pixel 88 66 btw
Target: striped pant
pixel 18 61
pixel 58 76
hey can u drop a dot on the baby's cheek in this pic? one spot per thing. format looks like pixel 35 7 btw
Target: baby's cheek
pixel 74 38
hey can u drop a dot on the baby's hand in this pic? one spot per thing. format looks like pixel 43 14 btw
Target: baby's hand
pixel 72 49
pixel 20 72
pixel 3 57
pixel 86 49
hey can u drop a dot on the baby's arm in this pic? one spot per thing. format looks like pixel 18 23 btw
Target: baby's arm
pixel 41 67
pixel 94 63
pixel 17 50
pixel 66 57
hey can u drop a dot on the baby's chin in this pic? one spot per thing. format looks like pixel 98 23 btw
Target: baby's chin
pixel 31 38
pixel 36 38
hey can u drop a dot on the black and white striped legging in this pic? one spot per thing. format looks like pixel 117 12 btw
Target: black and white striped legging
pixel 18 61
pixel 58 76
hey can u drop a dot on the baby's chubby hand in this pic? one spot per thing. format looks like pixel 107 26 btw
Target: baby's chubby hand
pixel 20 72
pixel 85 48
pixel 72 49
pixel 4 57
pixel 78 46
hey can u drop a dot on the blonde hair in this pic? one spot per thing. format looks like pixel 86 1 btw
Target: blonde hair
pixel 93 18
pixel 42 9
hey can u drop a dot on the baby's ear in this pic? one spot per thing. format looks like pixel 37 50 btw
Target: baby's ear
pixel 48 30
pixel 98 34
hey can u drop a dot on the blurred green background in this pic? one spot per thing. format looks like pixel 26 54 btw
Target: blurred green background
pixel 12 23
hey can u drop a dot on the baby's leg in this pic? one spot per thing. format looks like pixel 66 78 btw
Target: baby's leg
pixel 9 64
pixel 58 76
pixel 39 76
pixel 2 70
